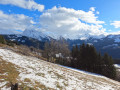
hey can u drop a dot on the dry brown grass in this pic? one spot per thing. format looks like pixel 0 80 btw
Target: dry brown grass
pixel 27 80
pixel 39 85
pixel 58 86
pixel 118 75
pixel 40 74
pixel 8 72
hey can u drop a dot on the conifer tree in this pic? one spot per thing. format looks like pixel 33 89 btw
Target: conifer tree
pixel 108 67
pixel 2 40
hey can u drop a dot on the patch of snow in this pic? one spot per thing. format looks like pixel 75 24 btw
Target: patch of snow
pixel 12 39
pixel 81 71
pixel 3 86
pixel 18 35
pixel 115 37
pixel 117 40
pixel 111 46
pixel 95 41
pixel 19 40
pixel 6 88
pixel 23 41
pixel 90 44
pixel 111 36
pixel 117 65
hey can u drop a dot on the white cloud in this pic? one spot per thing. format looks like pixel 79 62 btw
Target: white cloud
pixel 92 9
pixel 71 23
pixel 97 12
pixel 26 4
pixel 9 23
pixel 116 24
pixel 114 33
pixel 61 21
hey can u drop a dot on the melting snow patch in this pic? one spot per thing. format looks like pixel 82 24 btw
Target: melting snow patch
pixel 2 84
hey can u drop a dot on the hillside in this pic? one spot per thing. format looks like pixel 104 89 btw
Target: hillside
pixel 31 72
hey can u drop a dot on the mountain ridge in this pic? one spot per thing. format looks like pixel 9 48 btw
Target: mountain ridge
pixel 109 44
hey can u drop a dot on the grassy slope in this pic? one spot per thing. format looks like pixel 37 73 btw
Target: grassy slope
pixel 34 73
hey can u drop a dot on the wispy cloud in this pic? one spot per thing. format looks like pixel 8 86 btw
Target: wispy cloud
pixel 26 4
pixel 116 24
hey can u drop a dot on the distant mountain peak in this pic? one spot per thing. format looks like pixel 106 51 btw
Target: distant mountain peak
pixel 34 34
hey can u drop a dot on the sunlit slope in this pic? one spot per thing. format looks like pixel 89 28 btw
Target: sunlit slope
pixel 34 73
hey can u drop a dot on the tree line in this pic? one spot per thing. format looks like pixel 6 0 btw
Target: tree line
pixel 7 42
pixel 84 57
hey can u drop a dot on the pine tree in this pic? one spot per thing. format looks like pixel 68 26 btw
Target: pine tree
pixel 2 40
pixel 100 63
pixel 74 61
pixel 108 67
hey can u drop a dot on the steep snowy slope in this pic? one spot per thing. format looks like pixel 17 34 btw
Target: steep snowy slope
pixel 35 34
pixel 39 74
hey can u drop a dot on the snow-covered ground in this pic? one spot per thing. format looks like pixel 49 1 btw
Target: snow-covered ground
pixel 54 76
pixel 117 66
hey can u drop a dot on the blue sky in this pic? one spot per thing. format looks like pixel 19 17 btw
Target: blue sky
pixel 109 9
pixel 106 11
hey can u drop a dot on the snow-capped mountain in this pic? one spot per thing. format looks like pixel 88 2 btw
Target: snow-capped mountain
pixel 116 38
pixel 35 34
